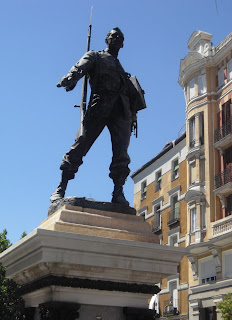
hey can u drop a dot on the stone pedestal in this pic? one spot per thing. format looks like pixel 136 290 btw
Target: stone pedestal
pixel 89 263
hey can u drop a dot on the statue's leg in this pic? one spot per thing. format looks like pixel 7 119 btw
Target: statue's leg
pixel 73 159
pixel 120 130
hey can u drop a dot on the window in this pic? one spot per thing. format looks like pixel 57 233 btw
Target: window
pixel 192 89
pixel 173 294
pixel 201 84
pixel 208 313
pixel 142 211
pixel 158 180
pixel 226 113
pixel 228 164
pixel 143 190
pixel 192 132
pixel 221 77
pixel 175 169
pixel 229 70
pixel 157 219
pixel 203 221
pixel 193 216
pixel 175 206
pixel 202 168
pixel 229 205
pixel 192 171
pixel 173 215
pixel 207 270
pixel 202 133
pixel 174 241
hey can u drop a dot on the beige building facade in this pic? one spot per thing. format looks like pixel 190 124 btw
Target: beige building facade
pixel 203 185
pixel 159 195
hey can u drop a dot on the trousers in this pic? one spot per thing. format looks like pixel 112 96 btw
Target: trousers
pixel 119 127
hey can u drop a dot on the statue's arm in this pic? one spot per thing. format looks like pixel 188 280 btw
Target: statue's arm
pixel 83 66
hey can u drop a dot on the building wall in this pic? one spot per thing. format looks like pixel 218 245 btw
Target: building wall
pixel 164 196
pixel 203 185
pixel 208 245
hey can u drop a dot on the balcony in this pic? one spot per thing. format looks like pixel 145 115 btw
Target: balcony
pixel 223 182
pixel 173 216
pixel 223 135
pixel 171 308
pixel 222 226
pixel 156 225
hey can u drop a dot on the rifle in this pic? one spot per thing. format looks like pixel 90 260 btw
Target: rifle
pixel 81 130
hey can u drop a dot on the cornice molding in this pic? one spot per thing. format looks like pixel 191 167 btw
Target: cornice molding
pixel 89 284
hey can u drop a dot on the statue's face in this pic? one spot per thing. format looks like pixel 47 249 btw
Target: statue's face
pixel 115 39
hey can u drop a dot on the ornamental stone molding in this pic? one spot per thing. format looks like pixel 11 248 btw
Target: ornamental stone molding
pixel 216 252
pixel 194 266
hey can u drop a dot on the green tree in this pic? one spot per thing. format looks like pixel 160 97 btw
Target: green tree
pixel 11 303
pixel 24 234
pixel 225 307
pixel 4 242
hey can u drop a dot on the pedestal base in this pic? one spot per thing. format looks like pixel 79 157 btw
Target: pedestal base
pixel 88 203
pixel 103 261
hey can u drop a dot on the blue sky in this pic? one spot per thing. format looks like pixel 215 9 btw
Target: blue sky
pixel 40 41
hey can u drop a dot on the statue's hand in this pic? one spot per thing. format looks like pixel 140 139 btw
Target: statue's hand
pixel 66 82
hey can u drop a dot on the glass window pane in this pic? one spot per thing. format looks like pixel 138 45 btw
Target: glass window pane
pixel 191 89
pixel 221 77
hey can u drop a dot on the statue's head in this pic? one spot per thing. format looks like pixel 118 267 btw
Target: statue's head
pixel 115 38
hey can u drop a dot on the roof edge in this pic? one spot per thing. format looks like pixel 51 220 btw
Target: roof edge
pixel 159 155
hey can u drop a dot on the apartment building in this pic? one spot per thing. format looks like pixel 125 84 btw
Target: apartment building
pixel 159 192
pixel 204 187
pixel 206 77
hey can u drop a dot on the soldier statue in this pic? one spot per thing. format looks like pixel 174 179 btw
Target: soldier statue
pixel 114 102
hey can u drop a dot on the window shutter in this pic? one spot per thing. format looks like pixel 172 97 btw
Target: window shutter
pixel 228 265
pixel 207 268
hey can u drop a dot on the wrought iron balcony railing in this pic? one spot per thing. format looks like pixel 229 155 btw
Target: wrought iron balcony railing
pixel 156 224
pixel 173 216
pixel 223 178
pixel 222 131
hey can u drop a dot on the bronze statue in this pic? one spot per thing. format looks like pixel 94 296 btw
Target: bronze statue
pixel 114 102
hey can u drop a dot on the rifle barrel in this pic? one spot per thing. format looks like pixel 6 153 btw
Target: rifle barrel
pixel 81 132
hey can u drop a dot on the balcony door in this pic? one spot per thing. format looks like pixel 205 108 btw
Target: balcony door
pixel 228 158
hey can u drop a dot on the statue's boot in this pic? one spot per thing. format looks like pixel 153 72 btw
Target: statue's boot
pixel 59 193
pixel 118 195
